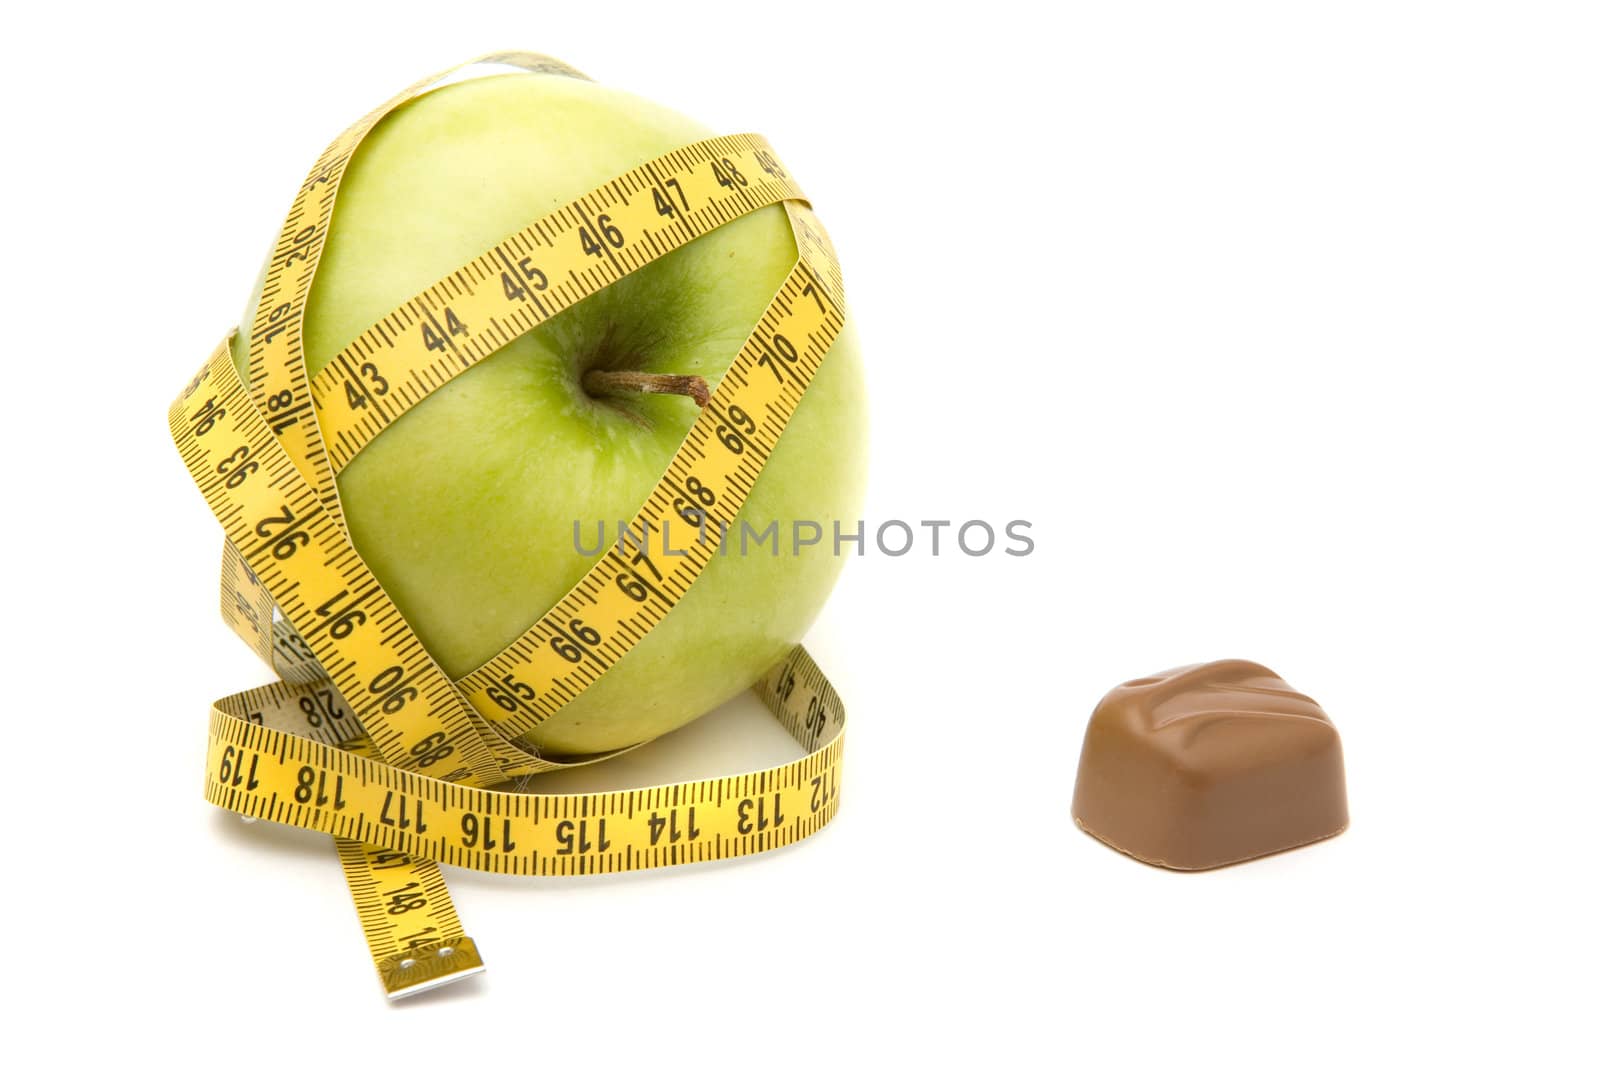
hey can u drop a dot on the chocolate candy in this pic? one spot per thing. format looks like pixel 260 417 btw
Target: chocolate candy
pixel 1207 765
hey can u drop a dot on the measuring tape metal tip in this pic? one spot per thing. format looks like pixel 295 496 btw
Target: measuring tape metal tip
pixel 430 967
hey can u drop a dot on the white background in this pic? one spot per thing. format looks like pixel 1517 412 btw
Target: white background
pixel 1279 323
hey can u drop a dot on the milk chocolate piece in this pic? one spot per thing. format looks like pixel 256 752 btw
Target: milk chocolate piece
pixel 1203 766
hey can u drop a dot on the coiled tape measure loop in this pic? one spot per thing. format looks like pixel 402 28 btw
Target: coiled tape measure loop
pixel 366 738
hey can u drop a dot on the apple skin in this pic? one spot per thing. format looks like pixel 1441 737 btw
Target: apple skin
pixel 464 507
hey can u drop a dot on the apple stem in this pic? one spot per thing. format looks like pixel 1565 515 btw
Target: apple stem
pixel 620 382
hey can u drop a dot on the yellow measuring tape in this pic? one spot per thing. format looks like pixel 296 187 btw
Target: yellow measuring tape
pixel 366 738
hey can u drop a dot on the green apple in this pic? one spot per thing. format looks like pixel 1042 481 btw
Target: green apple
pixel 464 507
